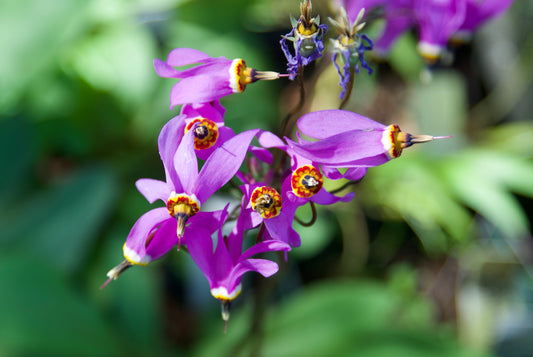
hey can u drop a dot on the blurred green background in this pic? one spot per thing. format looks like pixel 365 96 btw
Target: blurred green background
pixel 432 258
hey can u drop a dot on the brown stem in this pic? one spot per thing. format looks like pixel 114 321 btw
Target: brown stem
pixel 313 218
pixel 349 89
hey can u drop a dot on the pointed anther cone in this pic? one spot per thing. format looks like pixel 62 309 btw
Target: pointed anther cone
pixel 225 312
pixel 114 273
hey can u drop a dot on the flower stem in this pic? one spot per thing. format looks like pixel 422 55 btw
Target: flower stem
pixel 348 89
pixel 286 129
pixel 313 218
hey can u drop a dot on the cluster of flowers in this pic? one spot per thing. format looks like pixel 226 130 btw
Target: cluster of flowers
pixel 437 21
pixel 272 187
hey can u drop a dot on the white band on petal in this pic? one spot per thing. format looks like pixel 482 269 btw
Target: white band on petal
pixel 134 258
pixel 222 293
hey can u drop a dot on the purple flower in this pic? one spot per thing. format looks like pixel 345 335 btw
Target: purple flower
pixel 354 7
pixel 211 79
pixel 209 131
pixel 399 17
pixel 437 21
pixel 307 36
pixel 351 46
pixel 350 140
pixel 184 191
pixel 478 12
pixel 225 265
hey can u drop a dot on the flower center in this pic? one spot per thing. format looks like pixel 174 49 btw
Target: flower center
pixel 306 181
pixel 266 201
pixel 205 133
pixel 182 207
pixel 240 75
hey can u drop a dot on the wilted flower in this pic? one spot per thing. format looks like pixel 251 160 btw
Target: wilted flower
pixel 211 79
pixel 307 36
pixel 351 46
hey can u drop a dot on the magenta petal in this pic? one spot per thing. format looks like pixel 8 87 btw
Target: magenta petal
pixel 280 227
pixel 342 148
pixel 164 240
pixel 324 123
pixel 201 251
pixel 213 111
pixel 323 197
pixel 262 266
pixel 183 56
pixel 168 142
pixel 164 70
pixel 198 89
pixel 262 154
pixel 438 20
pixel 395 26
pixel 224 134
pixel 135 247
pixel 153 190
pixel 353 174
pixel 222 165
pixel 186 163
pixel 270 140
pixel 266 246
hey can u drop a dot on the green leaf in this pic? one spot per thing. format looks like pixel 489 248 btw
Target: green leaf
pixel 38 29
pixel 340 318
pixel 483 180
pixel 42 316
pixel 61 223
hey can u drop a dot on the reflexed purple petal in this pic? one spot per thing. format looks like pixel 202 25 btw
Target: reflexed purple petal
pixel 262 266
pixel 353 174
pixel 262 154
pixel 183 56
pixel 224 134
pixel 343 148
pixel 222 165
pixel 356 173
pixel 398 21
pixel 280 227
pixel 200 248
pixel 354 6
pixel 186 163
pixel 213 111
pixel 168 142
pixel 269 140
pixel 323 197
pixel 153 190
pixel 266 246
pixel 199 89
pixel 477 12
pixel 139 233
pixel 164 240
pixel 325 123
pixel 210 221
pixel 438 20
pixel 164 70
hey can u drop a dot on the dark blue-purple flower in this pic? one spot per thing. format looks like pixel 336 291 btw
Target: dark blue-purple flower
pixel 307 36
pixel 350 46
